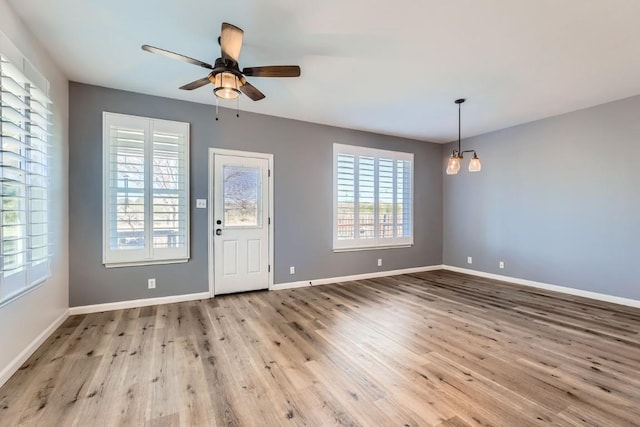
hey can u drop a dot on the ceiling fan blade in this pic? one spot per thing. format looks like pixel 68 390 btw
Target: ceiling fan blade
pixel 231 41
pixel 250 90
pixel 273 71
pixel 196 84
pixel 177 56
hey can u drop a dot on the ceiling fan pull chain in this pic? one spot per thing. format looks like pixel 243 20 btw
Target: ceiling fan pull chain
pixel 216 108
pixel 238 107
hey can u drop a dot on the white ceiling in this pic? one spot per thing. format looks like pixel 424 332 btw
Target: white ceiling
pixel 392 67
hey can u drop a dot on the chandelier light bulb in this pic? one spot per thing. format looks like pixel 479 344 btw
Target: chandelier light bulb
pixel 474 164
pixel 454 165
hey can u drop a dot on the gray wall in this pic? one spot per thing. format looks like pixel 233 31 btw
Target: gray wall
pixel 303 196
pixel 558 200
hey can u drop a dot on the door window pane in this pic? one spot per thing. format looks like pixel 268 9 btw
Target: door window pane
pixel 241 196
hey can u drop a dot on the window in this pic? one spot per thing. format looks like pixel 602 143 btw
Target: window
pixel 373 198
pixel 24 182
pixel 146 191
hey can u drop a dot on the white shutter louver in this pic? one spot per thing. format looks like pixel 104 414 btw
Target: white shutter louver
pixel 346 196
pixel 403 198
pixel 169 220
pixel 126 188
pixel 366 197
pixel 386 217
pixel 24 182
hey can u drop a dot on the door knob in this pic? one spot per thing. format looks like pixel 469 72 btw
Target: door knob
pixel 218 232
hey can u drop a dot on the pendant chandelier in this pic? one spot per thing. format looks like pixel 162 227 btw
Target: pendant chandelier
pixel 453 166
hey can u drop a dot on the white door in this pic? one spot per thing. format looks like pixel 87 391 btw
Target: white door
pixel 240 224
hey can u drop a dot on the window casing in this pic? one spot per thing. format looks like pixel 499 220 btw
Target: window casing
pixel 24 183
pixel 146 191
pixel 372 198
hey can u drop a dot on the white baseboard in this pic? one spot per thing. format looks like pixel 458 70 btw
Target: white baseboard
pixel 318 282
pixel 17 362
pixel 120 305
pixel 548 287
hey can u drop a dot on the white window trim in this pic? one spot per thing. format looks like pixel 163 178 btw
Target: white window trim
pixel 130 258
pixel 376 243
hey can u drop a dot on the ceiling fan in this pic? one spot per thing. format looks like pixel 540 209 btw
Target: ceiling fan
pixel 227 78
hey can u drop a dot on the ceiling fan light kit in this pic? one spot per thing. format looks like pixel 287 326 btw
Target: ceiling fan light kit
pixel 453 165
pixel 225 86
pixel 227 78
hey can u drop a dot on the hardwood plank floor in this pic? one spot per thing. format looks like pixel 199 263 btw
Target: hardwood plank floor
pixel 436 348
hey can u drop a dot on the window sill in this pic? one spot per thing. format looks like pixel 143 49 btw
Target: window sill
pixel 23 292
pixel 371 248
pixel 144 262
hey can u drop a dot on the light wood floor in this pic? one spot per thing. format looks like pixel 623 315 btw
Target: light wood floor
pixel 435 348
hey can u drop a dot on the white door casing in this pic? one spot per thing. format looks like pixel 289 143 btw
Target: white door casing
pixel 240 221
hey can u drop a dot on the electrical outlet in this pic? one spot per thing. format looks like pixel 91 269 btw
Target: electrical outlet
pixel 201 203
pixel 292 270
pixel 501 265
pixel 469 260
pixel 379 262
pixel 151 283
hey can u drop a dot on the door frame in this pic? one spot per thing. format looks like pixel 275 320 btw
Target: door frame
pixel 210 207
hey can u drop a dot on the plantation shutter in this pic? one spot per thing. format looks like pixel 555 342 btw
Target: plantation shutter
pixel 346 209
pixel 24 182
pixel 146 190
pixel 366 197
pixel 403 199
pixel 127 188
pixel 169 189
pixel 373 198
pixel 386 211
